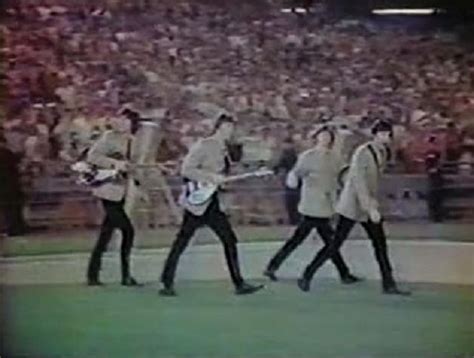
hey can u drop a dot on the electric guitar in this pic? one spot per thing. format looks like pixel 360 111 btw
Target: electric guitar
pixel 201 192
pixel 92 176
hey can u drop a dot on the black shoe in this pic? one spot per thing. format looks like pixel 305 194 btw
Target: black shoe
pixel 130 281
pixel 94 282
pixel 394 290
pixel 167 292
pixel 349 278
pixel 270 274
pixel 246 289
pixel 303 284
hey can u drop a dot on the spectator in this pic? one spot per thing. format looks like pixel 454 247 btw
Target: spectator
pixel 11 194
pixel 286 162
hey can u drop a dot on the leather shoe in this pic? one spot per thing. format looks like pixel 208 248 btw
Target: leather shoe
pixel 130 281
pixel 394 290
pixel 167 292
pixel 349 278
pixel 270 274
pixel 246 289
pixel 303 284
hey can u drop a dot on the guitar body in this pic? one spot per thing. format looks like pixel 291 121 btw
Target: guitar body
pixel 202 194
pixel 91 176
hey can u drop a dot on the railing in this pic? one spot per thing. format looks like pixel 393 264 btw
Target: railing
pixel 61 203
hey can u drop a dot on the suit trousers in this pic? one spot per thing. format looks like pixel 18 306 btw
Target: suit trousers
pixel 218 222
pixel 306 225
pixel 376 234
pixel 115 218
pixel 292 198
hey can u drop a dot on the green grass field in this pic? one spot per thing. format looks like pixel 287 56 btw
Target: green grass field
pixel 206 320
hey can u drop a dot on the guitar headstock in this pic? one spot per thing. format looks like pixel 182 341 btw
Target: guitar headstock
pixel 262 172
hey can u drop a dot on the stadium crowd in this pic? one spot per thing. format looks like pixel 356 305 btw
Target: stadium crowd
pixel 71 65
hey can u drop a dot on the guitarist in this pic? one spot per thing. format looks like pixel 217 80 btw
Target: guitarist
pixel 112 151
pixel 205 162
pixel 317 168
pixel 358 204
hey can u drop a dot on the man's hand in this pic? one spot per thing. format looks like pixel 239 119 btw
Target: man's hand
pixel 121 166
pixel 374 215
pixel 218 179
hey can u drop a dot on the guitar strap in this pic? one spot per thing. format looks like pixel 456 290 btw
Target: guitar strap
pixel 128 153
pixel 374 155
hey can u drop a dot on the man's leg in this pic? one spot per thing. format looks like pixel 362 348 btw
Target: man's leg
pixel 106 230
pixel 343 228
pixel 302 231
pixel 326 232
pixel 377 236
pixel 128 235
pixel 291 203
pixel 221 226
pixel 188 227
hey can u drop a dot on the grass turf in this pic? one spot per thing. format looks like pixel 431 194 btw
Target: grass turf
pixel 207 320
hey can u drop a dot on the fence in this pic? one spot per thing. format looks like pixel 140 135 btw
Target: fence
pixel 59 202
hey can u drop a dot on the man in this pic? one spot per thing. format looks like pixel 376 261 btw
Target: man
pixel 11 193
pixel 317 168
pixel 112 151
pixel 286 162
pixel 358 203
pixel 205 162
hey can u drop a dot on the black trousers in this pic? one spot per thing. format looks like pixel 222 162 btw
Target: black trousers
pixel 12 217
pixel 376 234
pixel 218 222
pixel 292 198
pixel 115 218
pixel 304 228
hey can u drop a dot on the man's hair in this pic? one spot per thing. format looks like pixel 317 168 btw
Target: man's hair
pixel 129 113
pixel 382 125
pixel 325 128
pixel 223 118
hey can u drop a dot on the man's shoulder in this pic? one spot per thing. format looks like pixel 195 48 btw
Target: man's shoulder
pixel 108 134
pixel 206 142
pixel 362 148
pixel 200 144
pixel 308 153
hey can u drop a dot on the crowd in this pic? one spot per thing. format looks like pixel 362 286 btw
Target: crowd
pixel 69 66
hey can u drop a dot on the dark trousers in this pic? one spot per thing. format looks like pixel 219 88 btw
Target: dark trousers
pixel 11 219
pixel 218 222
pixel 376 234
pixel 304 228
pixel 115 218
pixel 292 198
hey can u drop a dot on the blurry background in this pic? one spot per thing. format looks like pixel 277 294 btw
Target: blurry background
pixel 280 67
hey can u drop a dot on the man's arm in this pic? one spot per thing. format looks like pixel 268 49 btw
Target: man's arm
pixel 298 172
pixel 97 154
pixel 300 169
pixel 360 164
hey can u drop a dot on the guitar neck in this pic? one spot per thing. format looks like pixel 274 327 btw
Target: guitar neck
pixel 233 178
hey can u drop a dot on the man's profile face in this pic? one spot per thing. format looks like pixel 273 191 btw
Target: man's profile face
pixel 384 137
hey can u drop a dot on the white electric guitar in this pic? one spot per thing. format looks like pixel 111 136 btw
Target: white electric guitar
pixel 92 176
pixel 199 193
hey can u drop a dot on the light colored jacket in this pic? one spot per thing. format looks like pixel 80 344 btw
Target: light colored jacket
pixel 318 171
pixel 109 149
pixel 205 159
pixel 361 187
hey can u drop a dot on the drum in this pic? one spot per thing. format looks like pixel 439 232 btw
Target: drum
pixel 144 147
pixel 146 142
